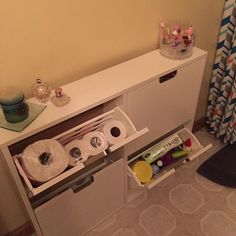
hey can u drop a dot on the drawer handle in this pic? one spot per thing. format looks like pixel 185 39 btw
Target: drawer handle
pixel 82 184
pixel 168 76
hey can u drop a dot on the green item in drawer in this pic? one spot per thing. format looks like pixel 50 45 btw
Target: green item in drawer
pixel 153 155
pixel 180 153
pixel 162 148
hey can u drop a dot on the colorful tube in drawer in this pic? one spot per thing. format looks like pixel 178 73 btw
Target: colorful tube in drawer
pixel 162 148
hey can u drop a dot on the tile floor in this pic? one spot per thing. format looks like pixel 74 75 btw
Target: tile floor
pixel 185 204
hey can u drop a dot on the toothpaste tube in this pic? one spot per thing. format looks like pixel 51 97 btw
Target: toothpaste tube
pixel 162 148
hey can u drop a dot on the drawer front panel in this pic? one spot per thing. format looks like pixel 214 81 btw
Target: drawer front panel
pixel 164 104
pixel 78 212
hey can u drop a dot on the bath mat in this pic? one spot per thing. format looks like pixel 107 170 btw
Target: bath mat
pixel 221 167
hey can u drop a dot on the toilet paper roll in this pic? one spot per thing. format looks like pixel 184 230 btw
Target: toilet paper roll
pixel 44 160
pixel 77 152
pixel 96 142
pixel 114 131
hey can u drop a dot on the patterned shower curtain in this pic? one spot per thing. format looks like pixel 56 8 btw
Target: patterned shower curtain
pixel 221 110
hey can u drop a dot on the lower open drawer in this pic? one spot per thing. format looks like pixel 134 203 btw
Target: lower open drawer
pixel 166 169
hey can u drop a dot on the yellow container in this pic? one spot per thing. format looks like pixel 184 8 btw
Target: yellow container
pixel 143 171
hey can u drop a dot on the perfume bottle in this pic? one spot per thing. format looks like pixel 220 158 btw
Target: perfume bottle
pixel 41 91
pixel 60 99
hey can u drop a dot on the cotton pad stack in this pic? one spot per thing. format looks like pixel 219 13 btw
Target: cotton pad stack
pixel 96 142
pixel 44 160
pixel 77 151
pixel 109 134
pixel 114 131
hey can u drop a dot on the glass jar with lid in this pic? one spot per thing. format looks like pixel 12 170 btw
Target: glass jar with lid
pixel 176 40
pixel 15 109
pixel 41 91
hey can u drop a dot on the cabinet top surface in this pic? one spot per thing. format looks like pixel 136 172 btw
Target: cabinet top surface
pixel 100 87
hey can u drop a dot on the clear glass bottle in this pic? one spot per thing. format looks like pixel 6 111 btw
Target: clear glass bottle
pixel 41 91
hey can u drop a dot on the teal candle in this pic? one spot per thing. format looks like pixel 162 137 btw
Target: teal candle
pixel 13 106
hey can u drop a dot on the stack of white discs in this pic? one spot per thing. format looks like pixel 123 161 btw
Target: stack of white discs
pixel 77 151
pixel 95 142
pixel 44 160
pixel 114 131
pixel 110 133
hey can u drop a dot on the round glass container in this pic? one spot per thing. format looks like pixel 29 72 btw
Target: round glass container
pixel 176 41
pixel 41 91
pixel 13 105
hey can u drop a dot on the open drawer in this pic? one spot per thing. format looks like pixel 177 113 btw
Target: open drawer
pixel 167 169
pixel 76 133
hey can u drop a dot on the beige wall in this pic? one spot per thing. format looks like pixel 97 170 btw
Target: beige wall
pixel 61 41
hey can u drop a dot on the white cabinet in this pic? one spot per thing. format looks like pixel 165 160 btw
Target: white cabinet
pixel 155 92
